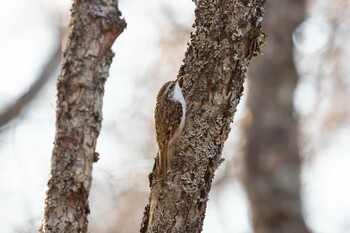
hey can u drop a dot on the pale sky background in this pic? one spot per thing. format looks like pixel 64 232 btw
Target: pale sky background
pixel 28 35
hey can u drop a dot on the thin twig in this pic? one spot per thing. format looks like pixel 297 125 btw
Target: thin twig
pixel 15 109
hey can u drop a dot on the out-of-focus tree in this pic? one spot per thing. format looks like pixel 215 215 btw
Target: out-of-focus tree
pixel 87 57
pixel 271 158
pixel 14 110
pixel 227 35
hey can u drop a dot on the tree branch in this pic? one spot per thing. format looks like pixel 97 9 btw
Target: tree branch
pixel 15 109
pixel 227 35
pixel 94 26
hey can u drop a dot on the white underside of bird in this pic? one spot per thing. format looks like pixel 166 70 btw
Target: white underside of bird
pixel 178 96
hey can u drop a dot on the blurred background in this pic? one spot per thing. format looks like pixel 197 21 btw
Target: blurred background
pixel 148 53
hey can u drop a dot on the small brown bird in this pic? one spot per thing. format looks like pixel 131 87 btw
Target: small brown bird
pixel 169 118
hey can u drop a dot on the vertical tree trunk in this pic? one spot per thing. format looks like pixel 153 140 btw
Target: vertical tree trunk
pixel 227 35
pixel 272 162
pixel 94 26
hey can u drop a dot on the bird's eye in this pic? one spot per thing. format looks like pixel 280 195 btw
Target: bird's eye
pixel 172 87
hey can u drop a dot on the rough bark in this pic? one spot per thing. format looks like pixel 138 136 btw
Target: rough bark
pixel 272 162
pixel 227 35
pixel 94 26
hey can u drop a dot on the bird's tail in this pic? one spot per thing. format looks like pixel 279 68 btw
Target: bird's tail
pixel 163 162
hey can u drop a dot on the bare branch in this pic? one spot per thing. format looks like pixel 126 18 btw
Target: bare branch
pixel 94 26
pixel 227 35
pixel 15 109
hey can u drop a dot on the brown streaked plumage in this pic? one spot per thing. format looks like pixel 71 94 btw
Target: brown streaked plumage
pixel 169 117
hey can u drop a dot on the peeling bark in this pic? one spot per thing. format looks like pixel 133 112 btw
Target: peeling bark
pixel 94 26
pixel 272 162
pixel 227 35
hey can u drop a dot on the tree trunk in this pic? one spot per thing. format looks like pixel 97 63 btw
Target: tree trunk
pixel 272 162
pixel 94 26
pixel 227 35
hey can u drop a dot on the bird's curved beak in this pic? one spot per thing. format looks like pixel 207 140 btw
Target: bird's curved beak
pixel 179 80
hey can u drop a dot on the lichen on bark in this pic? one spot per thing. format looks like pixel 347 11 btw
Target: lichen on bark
pixel 94 26
pixel 227 35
